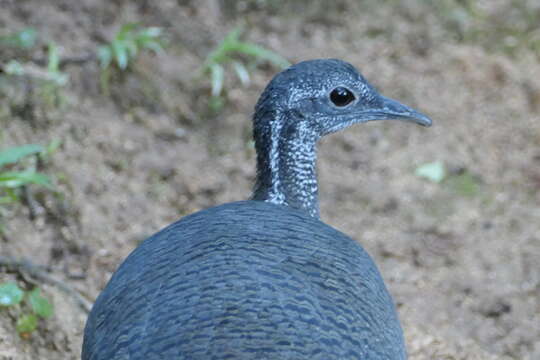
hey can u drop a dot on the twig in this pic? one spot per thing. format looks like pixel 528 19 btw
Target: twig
pixel 40 273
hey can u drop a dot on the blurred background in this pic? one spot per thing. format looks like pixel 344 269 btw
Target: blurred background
pixel 118 117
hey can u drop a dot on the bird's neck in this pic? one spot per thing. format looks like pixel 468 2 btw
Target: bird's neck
pixel 286 165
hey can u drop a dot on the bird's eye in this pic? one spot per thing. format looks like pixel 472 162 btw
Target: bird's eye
pixel 341 96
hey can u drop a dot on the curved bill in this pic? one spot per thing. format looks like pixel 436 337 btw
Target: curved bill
pixel 396 110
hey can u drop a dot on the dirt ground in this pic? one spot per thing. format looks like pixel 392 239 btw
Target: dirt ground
pixel 463 266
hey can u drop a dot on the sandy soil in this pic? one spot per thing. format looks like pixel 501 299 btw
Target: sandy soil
pixel 464 268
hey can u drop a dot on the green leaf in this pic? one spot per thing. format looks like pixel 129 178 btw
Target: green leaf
pixel 14 154
pixel 434 171
pixel 127 43
pixel 132 48
pixel 217 75
pixel 150 32
pixel 13 67
pixel 125 30
pixel 231 46
pixel 262 54
pixel 14 179
pixel 10 294
pixel 241 72
pixel 53 64
pixel 104 56
pixel 120 54
pixel 219 55
pixel 40 305
pixel 25 39
pixel 27 323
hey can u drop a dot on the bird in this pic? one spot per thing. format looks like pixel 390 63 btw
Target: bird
pixel 262 278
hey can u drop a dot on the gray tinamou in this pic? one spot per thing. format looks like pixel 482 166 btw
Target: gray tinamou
pixel 264 278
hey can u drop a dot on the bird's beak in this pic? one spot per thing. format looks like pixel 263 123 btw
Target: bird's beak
pixel 392 109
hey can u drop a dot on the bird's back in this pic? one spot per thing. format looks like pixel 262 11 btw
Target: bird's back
pixel 245 280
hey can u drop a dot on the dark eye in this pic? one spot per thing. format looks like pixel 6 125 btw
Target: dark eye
pixel 341 96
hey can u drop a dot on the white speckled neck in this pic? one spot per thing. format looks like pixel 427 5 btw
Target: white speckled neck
pixel 290 169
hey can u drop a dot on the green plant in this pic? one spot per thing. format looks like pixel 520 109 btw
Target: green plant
pixel 54 78
pixel 229 51
pixel 465 184
pixel 24 39
pixel 126 45
pixel 39 307
pixel 434 172
pixel 461 182
pixel 50 79
pixel 12 180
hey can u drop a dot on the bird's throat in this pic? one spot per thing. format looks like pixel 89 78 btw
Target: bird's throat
pixel 287 175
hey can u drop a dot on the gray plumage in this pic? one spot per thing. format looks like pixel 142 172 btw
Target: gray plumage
pixel 265 278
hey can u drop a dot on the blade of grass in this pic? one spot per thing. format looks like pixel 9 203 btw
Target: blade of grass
pixel 217 74
pixel 262 53
pixel 105 56
pixel 53 63
pixel 132 48
pixel 12 179
pixel 242 73
pixel 14 154
pixel 120 54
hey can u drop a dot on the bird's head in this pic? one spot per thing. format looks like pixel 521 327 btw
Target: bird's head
pixel 326 96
